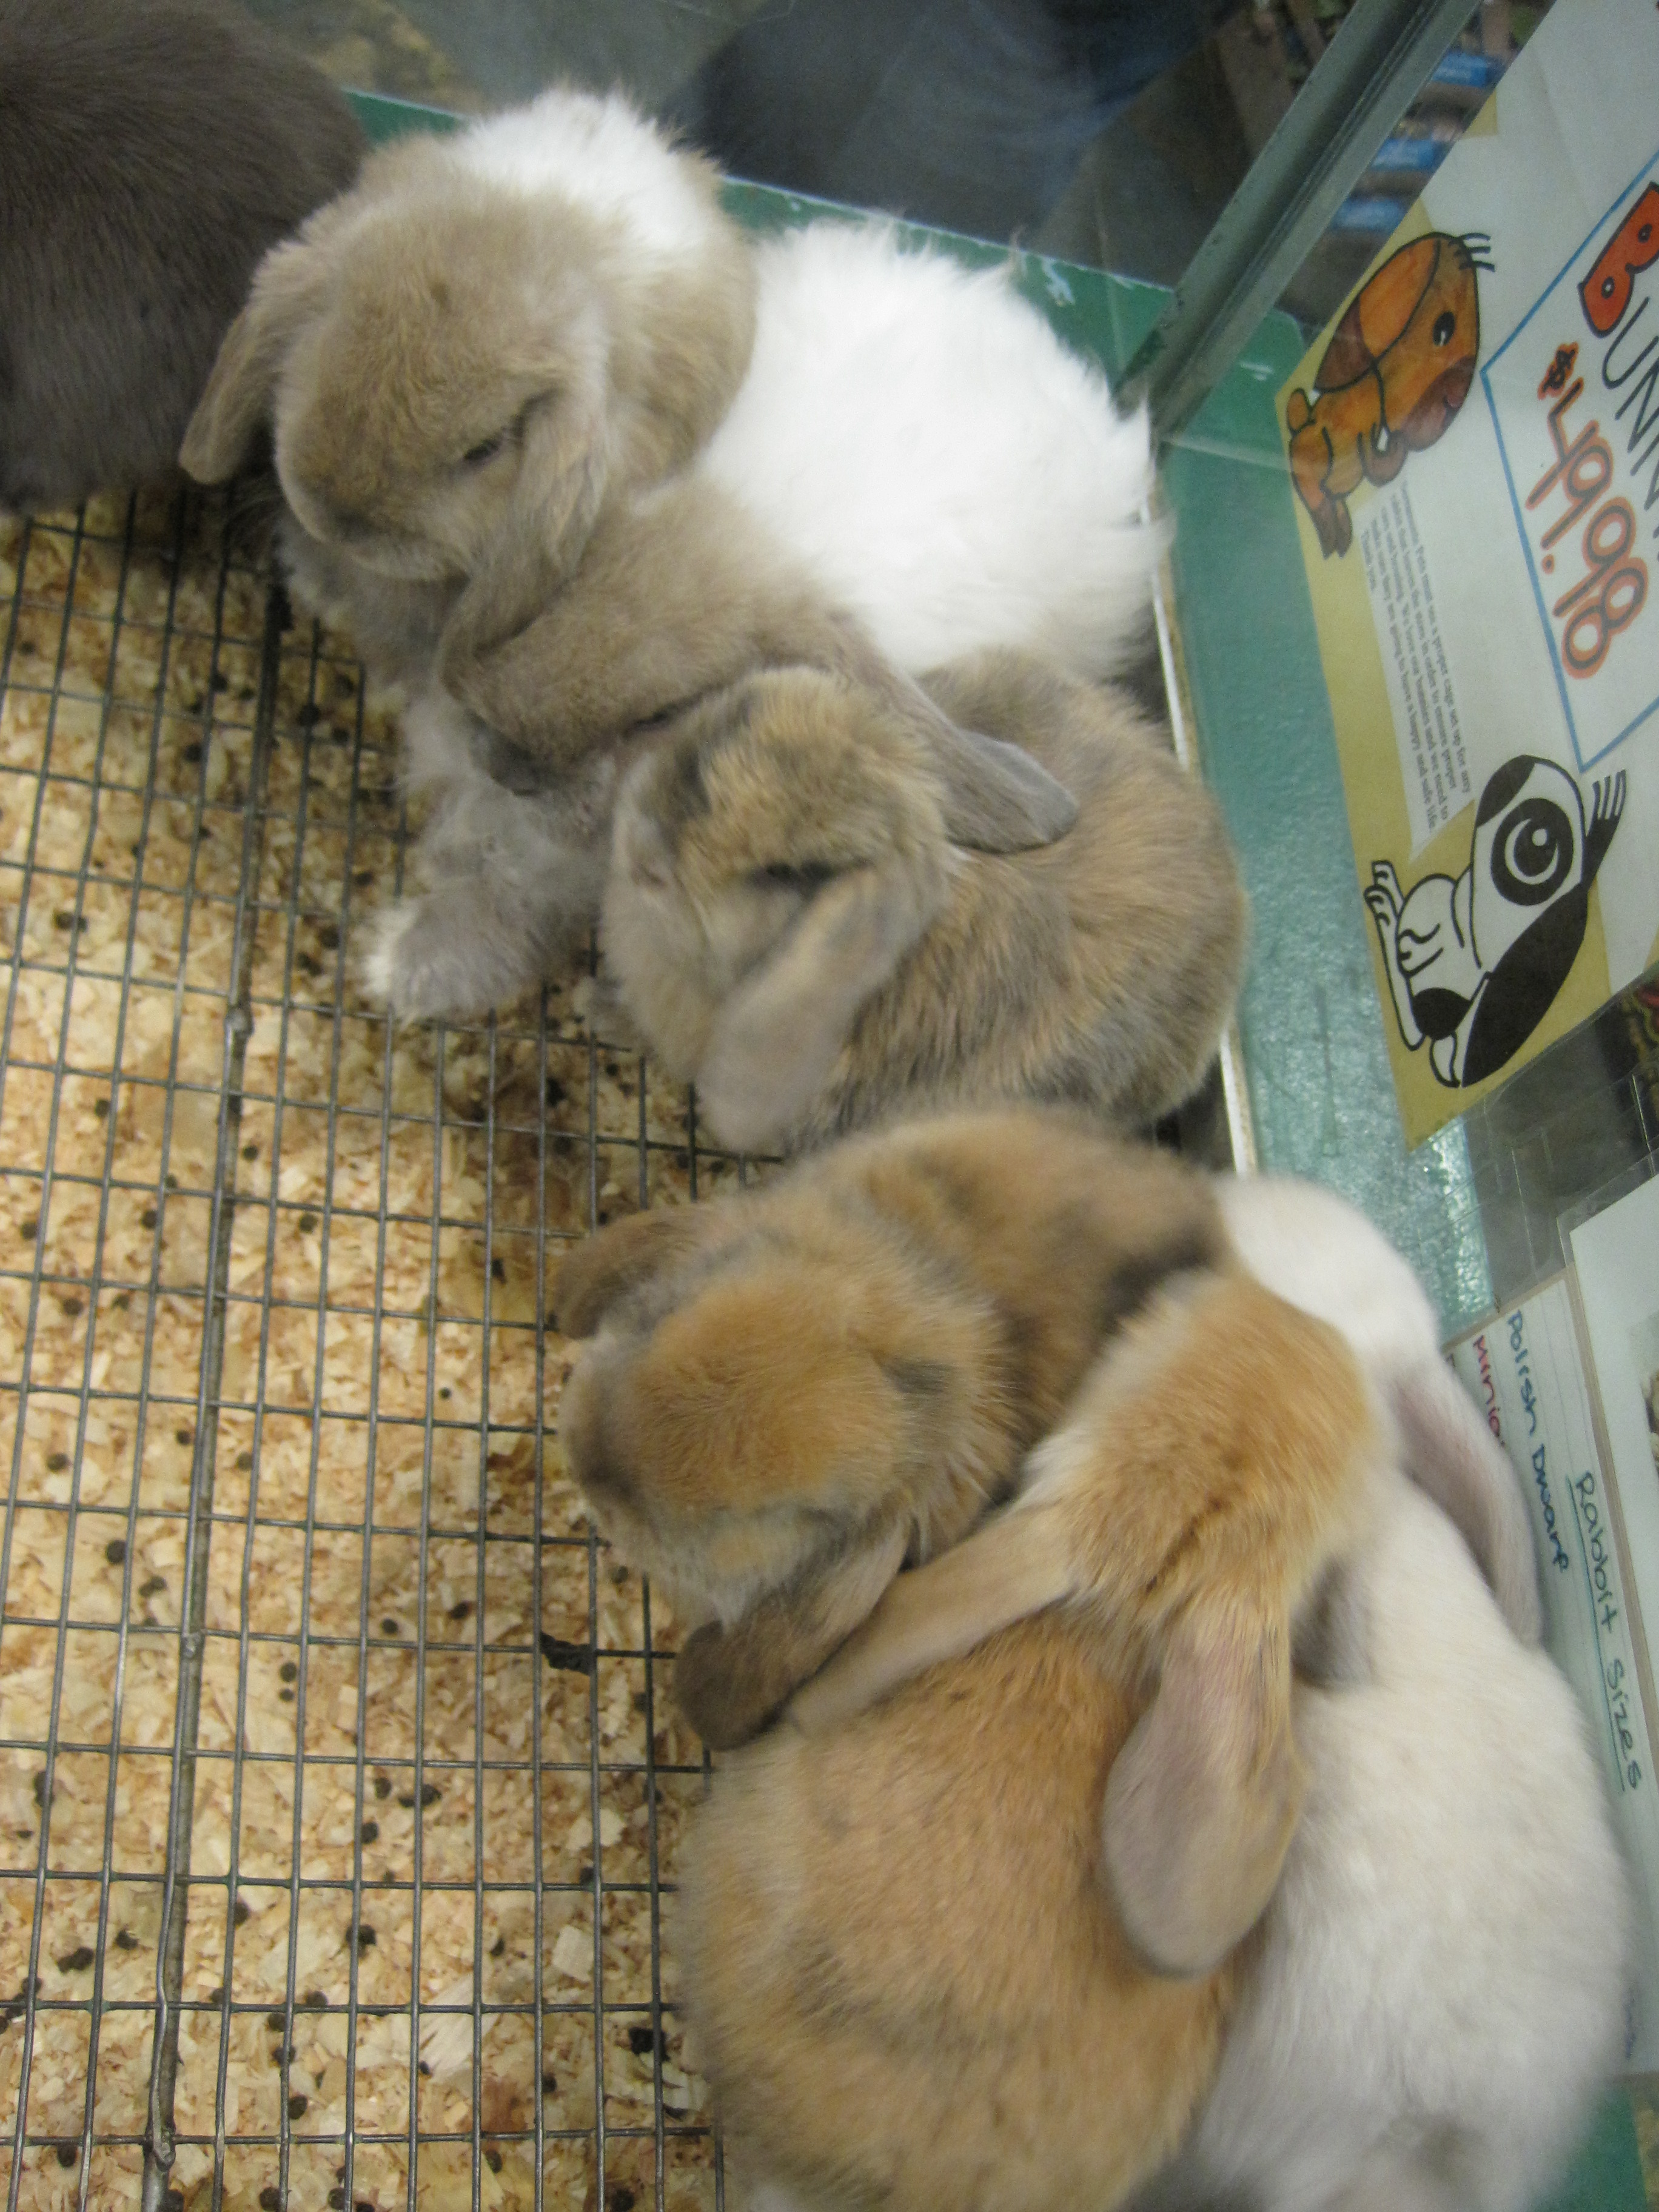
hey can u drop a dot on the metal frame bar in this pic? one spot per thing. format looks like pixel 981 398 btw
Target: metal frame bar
pixel 1380 59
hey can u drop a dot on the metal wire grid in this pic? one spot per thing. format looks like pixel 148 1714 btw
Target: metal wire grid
pixel 337 1791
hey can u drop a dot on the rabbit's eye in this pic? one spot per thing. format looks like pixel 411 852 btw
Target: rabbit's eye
pixel 486 450
pixel 781 876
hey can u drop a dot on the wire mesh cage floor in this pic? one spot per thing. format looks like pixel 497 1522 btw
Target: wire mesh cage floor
pixel 339 1796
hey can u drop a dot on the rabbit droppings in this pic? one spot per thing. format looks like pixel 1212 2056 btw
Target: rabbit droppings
pixel 149 156
pixel 917 1948
pixel 791 1392
pixel 1435 1994
pixel 790 924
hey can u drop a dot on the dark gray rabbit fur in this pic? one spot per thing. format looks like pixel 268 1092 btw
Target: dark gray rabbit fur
pixel 150 153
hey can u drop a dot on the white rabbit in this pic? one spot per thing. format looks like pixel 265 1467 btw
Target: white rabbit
pixel 1438 1992
pixel 495 335
pixel 916 432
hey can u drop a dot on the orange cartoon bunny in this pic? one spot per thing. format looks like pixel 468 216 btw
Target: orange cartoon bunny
pixel 1398 368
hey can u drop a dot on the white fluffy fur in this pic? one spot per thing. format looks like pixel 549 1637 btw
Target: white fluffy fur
pixel 917 434
pixel 599 152
pixel 1438 1992
pixel 509 877
pixel 1320 1254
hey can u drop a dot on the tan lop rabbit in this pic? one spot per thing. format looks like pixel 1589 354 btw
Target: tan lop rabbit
pixel 792 1392
pixel 922 1952
pixel 793 922
pixel 1319 1252
pixel 464 357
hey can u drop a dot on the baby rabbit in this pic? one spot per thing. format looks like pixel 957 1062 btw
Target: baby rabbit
pixel 512 859
pixel 500 335
pixel 149 156
pixel 912 455
pixel 1318 1253
pixel 1322 1253
pixel 1435 1992
pixel 465 356
pixel 793 1391
pixel 930 1958
pixel 790 923
pixel 510 866
pixel 482 473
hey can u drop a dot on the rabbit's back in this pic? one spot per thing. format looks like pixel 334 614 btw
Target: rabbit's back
pixel 1099 970
pixel 906 1980
pixel 918 435
pixel 601 153
pixel 148 158
pixel 1442 1972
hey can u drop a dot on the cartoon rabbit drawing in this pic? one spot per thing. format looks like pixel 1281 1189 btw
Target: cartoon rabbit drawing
pixel 1397 369
pixel 1474 964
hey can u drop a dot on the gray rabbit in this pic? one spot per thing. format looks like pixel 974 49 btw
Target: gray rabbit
pixel 149 156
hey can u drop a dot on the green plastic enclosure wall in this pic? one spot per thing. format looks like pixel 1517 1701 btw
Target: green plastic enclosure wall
pixel 1320 1093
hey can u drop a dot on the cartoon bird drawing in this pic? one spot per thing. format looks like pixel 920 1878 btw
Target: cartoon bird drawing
pixel 1397 369
pixel 1474 965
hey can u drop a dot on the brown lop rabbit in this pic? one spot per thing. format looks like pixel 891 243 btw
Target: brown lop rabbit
pixel 916 1947
pixel 793 1392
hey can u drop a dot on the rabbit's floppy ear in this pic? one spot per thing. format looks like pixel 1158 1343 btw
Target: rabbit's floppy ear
pixel 287 287
pixel 1453 1456
pixel 1202 1800
pixel 729 1682
pixel 617 1259
pixel 994 796
pixel 776 1038
pixel 1015 1564
pixel 564 470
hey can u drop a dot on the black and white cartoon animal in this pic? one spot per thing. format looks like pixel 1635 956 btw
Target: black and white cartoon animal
pixel 1474 965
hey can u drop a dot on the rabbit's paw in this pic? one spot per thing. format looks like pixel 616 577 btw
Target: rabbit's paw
pixel 438 957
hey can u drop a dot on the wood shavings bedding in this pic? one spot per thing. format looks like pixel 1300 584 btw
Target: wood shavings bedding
pixel 409 1715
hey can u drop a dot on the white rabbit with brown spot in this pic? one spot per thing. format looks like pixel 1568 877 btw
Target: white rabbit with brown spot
pixel 560 444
